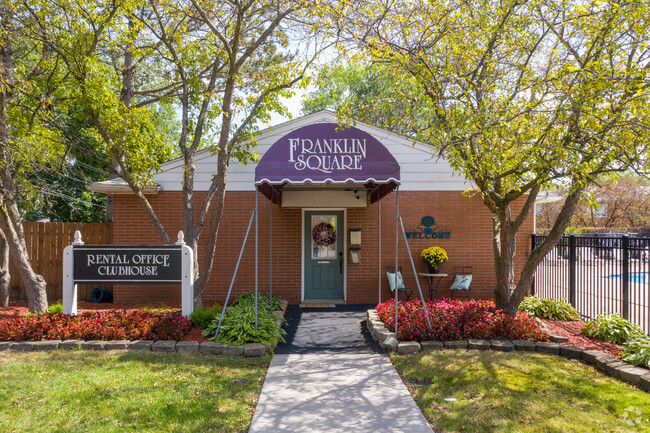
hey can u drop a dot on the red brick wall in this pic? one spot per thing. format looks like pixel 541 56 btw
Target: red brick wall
pixel 470 244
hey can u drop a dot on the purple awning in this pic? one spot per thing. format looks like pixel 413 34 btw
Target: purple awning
pixel 320 154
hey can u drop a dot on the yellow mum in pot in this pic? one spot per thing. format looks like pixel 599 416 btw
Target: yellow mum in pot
pixel 434 256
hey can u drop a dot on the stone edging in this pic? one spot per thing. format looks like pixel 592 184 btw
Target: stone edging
pixel 161 346
pixel 610 365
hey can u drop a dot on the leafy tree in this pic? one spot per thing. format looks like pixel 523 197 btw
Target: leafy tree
pixel 231 74
pixel 58 191
pixel 618 204
pixel 29 81
pixel 223 65
pixel 519 95
pixel 371 91
pixel 41 53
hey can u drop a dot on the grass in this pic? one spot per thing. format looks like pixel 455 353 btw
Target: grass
pixel 81 391
pixel 520 392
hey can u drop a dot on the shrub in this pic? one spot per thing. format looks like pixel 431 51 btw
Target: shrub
pixel 549 308
pixel 202 317
pixel 238 326
pixel 636 350
pixel 457 319
pixel 104 325
pixel 611 328
pixel 262 300
pixel 155 308
pixel 56 308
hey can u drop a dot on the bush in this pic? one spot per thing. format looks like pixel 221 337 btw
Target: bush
pixel 202 317
pixel 104 325
pixel 238 326
pixel 262 300
pixel 56 308
pixel 549 308
pixel 611 328
pixel 456 320
pixel 636 350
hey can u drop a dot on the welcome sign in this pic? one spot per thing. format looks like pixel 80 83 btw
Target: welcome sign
pixel 127 264
pixel 428 228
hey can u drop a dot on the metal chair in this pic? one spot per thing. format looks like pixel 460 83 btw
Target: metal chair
pixel 390 274
pixel 462 281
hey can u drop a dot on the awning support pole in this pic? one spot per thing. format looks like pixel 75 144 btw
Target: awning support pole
pixel 396 292
pixel 406 242
pixel 271 250
pixel 379 248
pixel 232 282
pixel 257 198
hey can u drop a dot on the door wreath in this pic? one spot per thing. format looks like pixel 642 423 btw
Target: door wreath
pixel 324 234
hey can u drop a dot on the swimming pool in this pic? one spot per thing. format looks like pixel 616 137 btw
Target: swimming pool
pixel 633 277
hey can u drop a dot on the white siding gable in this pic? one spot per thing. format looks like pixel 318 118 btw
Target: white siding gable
pixel 420 171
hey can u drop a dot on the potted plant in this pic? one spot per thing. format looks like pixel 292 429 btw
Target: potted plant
pixel 434 256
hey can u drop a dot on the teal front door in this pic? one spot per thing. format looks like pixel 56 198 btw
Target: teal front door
pixel 324 259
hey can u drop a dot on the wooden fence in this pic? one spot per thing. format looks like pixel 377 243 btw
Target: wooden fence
pixel 45 244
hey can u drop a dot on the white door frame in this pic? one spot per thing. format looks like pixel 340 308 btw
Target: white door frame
pixel 345 249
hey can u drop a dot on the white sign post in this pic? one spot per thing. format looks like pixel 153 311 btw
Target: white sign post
pixel 69 286
pixel 187 266
pixel 129 265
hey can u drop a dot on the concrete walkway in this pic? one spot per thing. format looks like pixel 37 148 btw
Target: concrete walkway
pixel 330 378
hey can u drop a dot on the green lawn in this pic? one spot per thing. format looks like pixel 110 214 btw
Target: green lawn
pixel 520 392
pixel 81 391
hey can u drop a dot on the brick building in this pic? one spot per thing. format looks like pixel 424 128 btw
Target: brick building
pixel 327 216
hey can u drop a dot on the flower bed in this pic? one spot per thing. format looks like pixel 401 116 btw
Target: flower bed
pixel 456 320
pixel 104 325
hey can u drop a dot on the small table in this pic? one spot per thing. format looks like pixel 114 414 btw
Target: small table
pixel 430 280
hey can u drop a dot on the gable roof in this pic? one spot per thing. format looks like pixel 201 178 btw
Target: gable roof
pixel 420 169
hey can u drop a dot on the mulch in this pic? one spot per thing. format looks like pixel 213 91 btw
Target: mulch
pixel 195 335
pixel 571 330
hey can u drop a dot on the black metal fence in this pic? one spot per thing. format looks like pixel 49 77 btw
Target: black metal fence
pixel 598 275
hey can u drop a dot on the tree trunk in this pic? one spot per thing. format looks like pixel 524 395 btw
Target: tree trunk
pixel 12 228
pixel 113 174
pixel 219 182
pixel 6 76
pixel 5 277
pixel 219 199
pixel 509 296
pixel 126 96
pixel 505 246
pixel 10 223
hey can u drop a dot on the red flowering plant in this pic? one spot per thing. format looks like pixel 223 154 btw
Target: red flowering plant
pixel 457 320
pixel 104 325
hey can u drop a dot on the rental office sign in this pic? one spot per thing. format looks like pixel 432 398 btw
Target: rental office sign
pixel 127 264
